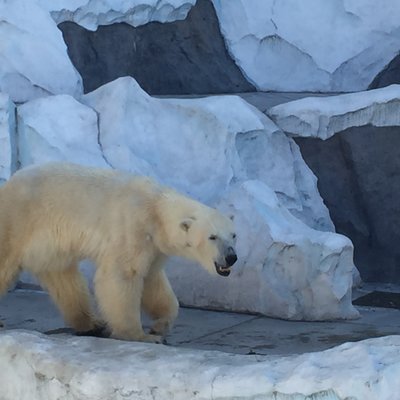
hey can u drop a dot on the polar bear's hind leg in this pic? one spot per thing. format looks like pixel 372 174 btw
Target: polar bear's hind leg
pixel 69 291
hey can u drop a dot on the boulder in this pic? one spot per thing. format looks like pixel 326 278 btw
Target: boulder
pixel 285 268
pixel 310 46
pixel 58 128
pixel 34 60
pixel 323 117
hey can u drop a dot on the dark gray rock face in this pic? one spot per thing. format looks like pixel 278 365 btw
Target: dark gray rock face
pixel 182 57
pixel 358 174
pixel 389 75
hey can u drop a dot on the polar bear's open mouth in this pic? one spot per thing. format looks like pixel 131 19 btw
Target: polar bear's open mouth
pixel 223 271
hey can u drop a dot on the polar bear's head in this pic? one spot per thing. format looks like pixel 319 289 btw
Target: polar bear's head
pixel 209 240
pixel 199 233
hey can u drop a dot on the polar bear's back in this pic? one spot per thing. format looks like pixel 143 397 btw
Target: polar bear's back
pixel 75 185
pixel 59 208
pixel 64 175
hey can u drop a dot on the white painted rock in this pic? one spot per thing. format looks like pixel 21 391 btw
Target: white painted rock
pixel 184 146
pixel 312 45
pixel 8 156
pixel 92 13
pixel 322 117
pixel 73 368
pixel 285 268
pixel 33 58
pixel 200 146
pixel 58 128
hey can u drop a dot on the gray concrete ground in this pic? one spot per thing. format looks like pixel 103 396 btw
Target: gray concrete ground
pixel 224 331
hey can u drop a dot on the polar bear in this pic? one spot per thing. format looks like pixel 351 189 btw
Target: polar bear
pixel 54 215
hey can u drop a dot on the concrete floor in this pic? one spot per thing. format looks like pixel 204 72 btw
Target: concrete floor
pixel 223 331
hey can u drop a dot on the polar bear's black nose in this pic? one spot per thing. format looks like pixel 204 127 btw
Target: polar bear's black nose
pixel 231 258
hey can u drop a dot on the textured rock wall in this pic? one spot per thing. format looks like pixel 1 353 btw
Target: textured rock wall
pixel 181 57
pixel 388 76
pixel 358 174
pixel 283 46
pixel 358 168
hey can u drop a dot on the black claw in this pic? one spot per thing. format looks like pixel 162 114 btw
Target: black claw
pixel 153 332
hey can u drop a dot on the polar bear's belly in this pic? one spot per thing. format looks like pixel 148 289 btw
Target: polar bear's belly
pixel 45 251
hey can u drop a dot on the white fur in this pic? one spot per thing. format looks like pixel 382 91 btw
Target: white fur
pixel 55 215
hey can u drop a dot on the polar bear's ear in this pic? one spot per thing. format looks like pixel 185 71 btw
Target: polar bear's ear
pixel 186 224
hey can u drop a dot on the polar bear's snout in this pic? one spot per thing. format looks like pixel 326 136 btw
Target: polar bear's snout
pixel 224 268
pixel 231 257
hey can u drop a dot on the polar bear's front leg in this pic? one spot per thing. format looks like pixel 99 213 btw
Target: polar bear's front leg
pixel 119 296
pixel 159 301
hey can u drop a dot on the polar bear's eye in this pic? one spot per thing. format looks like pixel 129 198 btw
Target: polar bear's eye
pixel 213 237
pixel 234 236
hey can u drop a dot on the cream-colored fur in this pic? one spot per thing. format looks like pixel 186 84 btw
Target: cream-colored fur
pixel 55 215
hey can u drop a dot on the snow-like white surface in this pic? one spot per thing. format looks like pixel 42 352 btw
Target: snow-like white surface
pixel 312 45
pixel 92 13
pixel 33 55
pixel 322 117
pixel 58 128
pixel 285 269
pixel 8 156
pixel 93 369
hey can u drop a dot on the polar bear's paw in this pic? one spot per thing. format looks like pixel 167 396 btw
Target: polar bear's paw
pixel 143 337
pixel 162 326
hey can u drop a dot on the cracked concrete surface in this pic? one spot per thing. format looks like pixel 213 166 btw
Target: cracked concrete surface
pixel 211 330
